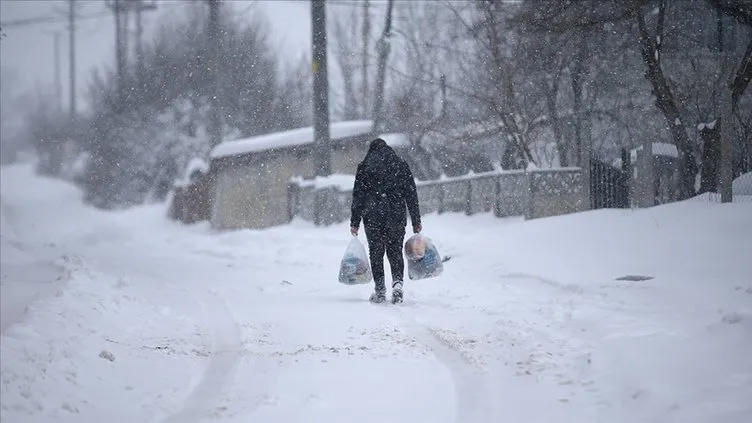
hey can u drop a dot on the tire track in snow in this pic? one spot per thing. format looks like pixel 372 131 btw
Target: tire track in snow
pixel 473 391
pixel 203 400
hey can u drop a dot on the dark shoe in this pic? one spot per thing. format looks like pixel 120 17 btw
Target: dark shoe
pixel 397 292
pixel 377 297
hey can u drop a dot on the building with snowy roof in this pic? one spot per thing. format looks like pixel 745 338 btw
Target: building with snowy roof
pixel 252 175
pixel 654 180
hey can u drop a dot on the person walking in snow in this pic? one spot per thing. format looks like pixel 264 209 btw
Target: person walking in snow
pixel 384 187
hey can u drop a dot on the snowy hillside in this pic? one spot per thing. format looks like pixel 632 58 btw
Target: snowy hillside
pixel 127 317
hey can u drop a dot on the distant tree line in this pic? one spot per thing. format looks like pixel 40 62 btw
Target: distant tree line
pixel 477 85
pixel 138 139
pixel 531 82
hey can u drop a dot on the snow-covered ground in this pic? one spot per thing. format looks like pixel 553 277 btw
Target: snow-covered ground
pixel 127 317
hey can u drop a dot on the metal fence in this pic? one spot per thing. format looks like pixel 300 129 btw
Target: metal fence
pixel 532 194
pixel 741 189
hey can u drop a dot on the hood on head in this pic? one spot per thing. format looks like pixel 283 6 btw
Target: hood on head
pixel 379 155
pixel 377 144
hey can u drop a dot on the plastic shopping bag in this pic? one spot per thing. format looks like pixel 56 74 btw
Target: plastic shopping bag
pixel 423 258
pixel 355 269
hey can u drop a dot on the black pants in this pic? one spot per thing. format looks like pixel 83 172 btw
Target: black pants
pixel 389 241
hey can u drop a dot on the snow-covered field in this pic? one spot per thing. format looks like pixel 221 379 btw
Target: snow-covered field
pixel 127 317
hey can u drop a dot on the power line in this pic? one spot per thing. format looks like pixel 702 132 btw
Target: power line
pixel 64 19
pixel 49 19
pixel 321 135
pixel 72 56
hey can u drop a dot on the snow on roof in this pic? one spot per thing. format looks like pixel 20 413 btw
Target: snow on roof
pixel 341 181
pixel 742 185
pixel 290 138
pixel 710 126
pixel 396 139
pixel 195 164
pixel 659 149
pixel 665 149
pixel 470 131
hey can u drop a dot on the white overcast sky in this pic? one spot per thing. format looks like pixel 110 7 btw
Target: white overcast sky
pixel 29 50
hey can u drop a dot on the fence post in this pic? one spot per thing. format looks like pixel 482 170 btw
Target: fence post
pixel 469 198
pixel 497 196
pixel 292 201
pixel 441 197
pixel 529 207
pixel 316 207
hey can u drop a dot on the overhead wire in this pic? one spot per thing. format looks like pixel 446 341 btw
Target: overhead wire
pixel 49 19
pixel 64 19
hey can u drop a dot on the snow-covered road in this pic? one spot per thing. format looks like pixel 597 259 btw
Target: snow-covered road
pixel 150 321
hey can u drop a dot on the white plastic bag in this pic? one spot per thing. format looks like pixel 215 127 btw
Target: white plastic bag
pixel 423 258
pixel 355 269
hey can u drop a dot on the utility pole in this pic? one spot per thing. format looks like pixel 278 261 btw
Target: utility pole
pixel 321 158
pixel 57 59
pixel 215 124
pixel 125 9
pixel 726 171
pixel 72 56
pixel 139 47
pixel 383 48
pixel 727 159
pixel 141 6
pixel 58 78
pixel 725 165
pixel 366 43
pixel 117 7
pixel 137 42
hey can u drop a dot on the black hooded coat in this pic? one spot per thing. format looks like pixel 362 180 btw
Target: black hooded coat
pixel 384 187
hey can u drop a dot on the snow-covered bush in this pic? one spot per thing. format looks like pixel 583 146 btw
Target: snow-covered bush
pixel 144 135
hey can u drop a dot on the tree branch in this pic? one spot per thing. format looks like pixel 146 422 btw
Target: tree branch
pixel 565 16
pixel 742 77
pixel 666 103
pixel 381 71
pixel 739 10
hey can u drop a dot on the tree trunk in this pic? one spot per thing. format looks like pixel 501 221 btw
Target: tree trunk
pixel 711 156
pixel 506 106
pixel 345 59
pixel 711 137
pixel 665 101
pixel 366 34
pixel 215 114
pixel 378 114
pixel 561 147
pixel 742 77
pixel 578 74
pixel 351 104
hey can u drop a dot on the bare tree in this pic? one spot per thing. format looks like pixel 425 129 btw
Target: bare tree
pixel 711 134
pixel 365 53
pixel 650 21
pixel 499 92
pixel 383 52
pixel 651 43
pixel 344 28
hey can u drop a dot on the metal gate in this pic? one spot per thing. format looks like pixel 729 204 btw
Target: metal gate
pixel 609 186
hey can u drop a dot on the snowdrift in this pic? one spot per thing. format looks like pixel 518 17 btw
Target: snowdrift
pixel 610 315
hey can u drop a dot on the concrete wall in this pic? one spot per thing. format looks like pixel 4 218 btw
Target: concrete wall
pixel 345 158
pixel 557 192
pixel 653 179
pixel 233 192
pixel 254 192
pixel 429 197
pixel 532 194
pixel 513 198
pixel 482 195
